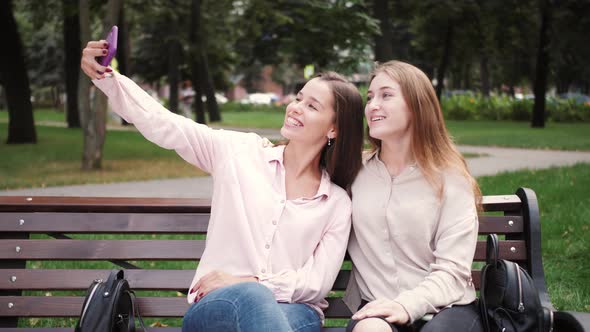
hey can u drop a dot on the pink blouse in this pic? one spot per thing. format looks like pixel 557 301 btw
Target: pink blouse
pixel 295 247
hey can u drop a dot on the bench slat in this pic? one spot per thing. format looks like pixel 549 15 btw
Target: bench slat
pixel 104 223
pixel 173 280
pixel 176 223
pixel 501 203
pixel 165 205
pixel 70 306
pixel 102 249
pixel 500 225
pixel 104 204
pixel 513 250
pixel 29 279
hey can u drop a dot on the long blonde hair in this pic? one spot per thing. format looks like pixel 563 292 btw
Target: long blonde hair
pixel 431 143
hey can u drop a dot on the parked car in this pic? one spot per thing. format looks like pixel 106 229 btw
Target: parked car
pixel 260 98
pixel 576 97
pixel 450 93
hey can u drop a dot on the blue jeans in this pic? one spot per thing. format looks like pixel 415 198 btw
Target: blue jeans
pixel 246 307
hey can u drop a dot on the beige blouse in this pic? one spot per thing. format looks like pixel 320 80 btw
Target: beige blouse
pixel 408 245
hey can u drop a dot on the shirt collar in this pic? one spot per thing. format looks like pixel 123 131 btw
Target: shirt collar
pixel 372 161
pixel 275 153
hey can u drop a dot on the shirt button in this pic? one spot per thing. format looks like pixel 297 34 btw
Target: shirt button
pixel 263 270
pixel 267 246
pixel 282 201
pixel 274 222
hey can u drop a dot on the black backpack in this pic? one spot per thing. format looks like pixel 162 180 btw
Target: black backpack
pixel 509 301
pixel 109 306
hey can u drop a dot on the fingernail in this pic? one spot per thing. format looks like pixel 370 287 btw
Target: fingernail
pixel 104 51
pixel 108 70
pixel 192 291
pixel 106 45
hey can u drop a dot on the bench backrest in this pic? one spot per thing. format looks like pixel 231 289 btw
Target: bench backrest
pixel 158 241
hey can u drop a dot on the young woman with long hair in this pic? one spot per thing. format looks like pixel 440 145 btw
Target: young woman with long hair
pixel 415 208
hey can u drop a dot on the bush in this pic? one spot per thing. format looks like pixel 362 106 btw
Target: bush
pixel 477 107
pixel 459 108
pixel 565 110
pixel 521 110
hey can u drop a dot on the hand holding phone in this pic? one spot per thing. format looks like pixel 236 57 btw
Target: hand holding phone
pixel 112 50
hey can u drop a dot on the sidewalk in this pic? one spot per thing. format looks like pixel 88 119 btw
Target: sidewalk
pixel 494 160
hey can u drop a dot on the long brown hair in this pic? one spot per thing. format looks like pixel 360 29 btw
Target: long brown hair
pixel 342 159
pixel 431 143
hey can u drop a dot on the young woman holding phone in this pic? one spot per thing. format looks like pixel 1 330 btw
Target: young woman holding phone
pixel 280 214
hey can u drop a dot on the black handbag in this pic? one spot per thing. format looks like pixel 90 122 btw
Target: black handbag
pixel 509 301
pixel 109 306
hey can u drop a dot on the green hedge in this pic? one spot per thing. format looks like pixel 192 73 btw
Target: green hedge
pixel 477 107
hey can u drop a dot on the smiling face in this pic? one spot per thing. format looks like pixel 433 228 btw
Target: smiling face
pixel 387 113
pixel 310 117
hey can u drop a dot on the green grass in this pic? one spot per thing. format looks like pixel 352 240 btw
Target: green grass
pixel 557 136
pixel 56 160
pixel 41 114
pixel 564 202
pixel 253 119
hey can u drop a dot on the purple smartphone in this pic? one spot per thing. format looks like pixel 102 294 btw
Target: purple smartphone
pixel 112 50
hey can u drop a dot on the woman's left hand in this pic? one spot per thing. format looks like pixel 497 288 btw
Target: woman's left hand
pixel 214 280
pixel 391 310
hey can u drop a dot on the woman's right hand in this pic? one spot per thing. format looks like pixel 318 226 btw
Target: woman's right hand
pixel 89 64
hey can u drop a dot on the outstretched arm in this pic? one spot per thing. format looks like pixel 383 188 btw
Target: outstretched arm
pixel 195 143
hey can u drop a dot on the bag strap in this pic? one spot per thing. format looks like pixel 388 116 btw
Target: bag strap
pixel 114 276
pixel 135 314
pixel 492 249
pixel 483 309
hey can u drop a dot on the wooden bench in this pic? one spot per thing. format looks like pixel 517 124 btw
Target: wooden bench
pixel 138 234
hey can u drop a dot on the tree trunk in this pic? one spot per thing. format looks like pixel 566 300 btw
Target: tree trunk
pixel 202 79
pixel 542 67
pixel 87 118
pixel 95 120
pixel 198 98
pixel 21 126
pixel 445 60
pixel 209 89
pixel 72 53
pixel 2 100
pixel 173 72
pixel 383 42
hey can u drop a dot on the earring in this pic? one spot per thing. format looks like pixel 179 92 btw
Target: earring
pixel 330 141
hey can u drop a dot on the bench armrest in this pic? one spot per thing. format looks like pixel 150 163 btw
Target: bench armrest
pixel 571 321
